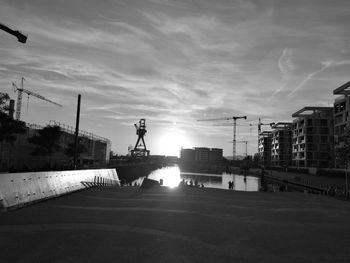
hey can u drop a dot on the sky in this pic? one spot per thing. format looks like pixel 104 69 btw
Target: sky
pixel 174 62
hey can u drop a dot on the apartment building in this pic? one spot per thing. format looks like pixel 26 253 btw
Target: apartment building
pixel 313 137
pixel 264 147
pixel 281 144
pixel 341 113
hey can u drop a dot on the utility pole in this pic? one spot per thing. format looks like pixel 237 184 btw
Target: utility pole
pixel 76 143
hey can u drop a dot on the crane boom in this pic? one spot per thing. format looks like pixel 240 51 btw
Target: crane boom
pixel 234 118
pixel 20 37
pixel 22 90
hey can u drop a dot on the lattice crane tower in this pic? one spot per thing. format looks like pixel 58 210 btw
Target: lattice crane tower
pixel 20 92
pixel 140 149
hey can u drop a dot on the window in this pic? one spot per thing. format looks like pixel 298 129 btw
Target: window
pixel 309 155
pixel 342 106
pixel 324 139
pixel 323 130
pixel 323 122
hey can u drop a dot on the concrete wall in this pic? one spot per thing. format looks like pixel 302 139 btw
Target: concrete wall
pixel 17 189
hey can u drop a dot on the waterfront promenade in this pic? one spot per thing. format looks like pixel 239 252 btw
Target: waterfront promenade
pixel 127 224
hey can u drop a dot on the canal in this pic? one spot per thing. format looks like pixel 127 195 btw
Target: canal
pixel 172 177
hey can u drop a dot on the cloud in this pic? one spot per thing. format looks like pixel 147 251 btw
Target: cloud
pixel 286 68
pixel 326 65
pixel 174 61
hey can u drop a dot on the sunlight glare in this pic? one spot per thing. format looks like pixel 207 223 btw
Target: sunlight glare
pixel 169 175
pixel 172 142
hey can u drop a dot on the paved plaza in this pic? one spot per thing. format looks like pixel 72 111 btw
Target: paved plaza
pixel 128 224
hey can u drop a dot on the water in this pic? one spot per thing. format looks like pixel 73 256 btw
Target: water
pixel 172 176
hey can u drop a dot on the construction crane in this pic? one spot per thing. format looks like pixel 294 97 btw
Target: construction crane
pixel 140 149
pixel 246 146
pixel 261 124
pixel 20 37
pixel 234 118
pixel 20 92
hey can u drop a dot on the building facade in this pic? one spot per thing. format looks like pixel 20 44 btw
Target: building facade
pixel 341 113
pixel 313 137
pixel 19 155
pixel 281 144
pixel 264 147
pixel 187 155
pixel 202 155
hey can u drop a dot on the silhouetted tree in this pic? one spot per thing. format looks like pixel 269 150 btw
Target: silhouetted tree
pixel 256 158
pixel 4 99
pixel 46 142
pixel 70 149
pixel 9 127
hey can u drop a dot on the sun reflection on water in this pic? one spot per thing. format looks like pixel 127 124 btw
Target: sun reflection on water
pixel 169 175
pixel 172 176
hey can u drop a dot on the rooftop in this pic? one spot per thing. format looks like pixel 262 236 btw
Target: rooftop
pixel 342 90
pixel 307 111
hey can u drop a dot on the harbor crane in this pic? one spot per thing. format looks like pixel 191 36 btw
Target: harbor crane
pixel 20 92
pixel 234 118
pixel 20 37
pixel 140 149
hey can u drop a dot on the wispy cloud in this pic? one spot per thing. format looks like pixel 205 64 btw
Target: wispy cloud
pixel 326 65
pixel 174 61
pixel 286 68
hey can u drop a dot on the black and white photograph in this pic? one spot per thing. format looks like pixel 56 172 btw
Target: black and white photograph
pixel 175 131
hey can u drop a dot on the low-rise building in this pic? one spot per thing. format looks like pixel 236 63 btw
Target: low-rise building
pixel 312 140
pixel 215 155
pixel 20 155
pixel 187 155
pixel 202 155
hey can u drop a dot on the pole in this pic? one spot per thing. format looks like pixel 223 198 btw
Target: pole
pixel 346 178
pixel 234 140
pixel 76 133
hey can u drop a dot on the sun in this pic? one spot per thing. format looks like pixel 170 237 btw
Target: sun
pixel 171 143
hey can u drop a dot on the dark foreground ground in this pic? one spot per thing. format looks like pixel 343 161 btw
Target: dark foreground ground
pixel 184 225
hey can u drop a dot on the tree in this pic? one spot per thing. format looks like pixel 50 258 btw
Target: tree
pixel 46 142
pixel 9 128
pixel 4 98
pixel 70 149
